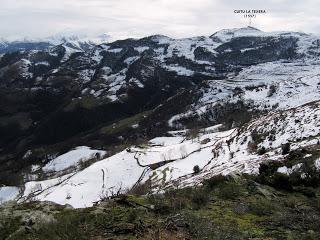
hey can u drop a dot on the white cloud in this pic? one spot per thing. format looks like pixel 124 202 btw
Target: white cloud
pixel 128 18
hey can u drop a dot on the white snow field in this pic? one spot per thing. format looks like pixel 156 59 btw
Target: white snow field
pixel 169 161
pixel 267 86
pixel 72 158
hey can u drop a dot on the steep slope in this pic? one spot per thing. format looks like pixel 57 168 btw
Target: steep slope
pixel 169 161
pixel 240 207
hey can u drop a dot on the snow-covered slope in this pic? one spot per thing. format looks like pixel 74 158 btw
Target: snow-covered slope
pixel 109 70
pixel 72 158
pixel 169 161
pixel 226 35
pixel 82 189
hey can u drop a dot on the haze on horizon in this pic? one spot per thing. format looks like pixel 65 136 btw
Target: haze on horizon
pixel 174 18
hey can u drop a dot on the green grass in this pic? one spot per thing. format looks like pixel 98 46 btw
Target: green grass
pixel 123 124
pixel 222 208
pixel 84 102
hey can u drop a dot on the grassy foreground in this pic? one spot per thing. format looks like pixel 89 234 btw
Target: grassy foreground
pixel 243 207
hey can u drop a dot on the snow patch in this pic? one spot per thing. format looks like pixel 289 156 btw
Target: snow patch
pixel 8 194
pixel 72 158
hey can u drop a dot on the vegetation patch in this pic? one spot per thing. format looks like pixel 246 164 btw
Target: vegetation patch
pixel 223 207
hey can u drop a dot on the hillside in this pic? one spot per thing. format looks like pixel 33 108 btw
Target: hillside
pixel 84 122
pixel 223 208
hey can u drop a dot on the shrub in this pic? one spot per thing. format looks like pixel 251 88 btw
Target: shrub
pixel 141 188
pixel 8 226
pixel 311 176
pixel 66 227
pixel 178 199
pixel 272 90
pixel 205 141
pixel 132 216
pixel 313 180
pixel 269 168
pixel 204 228
pixel 281 181
pixel 271 137
pixel 252 147
pixel 285 148
pixel 261 151
pixel 160 206
pixel 213 182
pixel 307 191
pixel 237 91
pixel 196 169
pixel 256 139
pixel 295 155
pixel 200 198
pixel 193 133
pixel 261 207
pixel 230 190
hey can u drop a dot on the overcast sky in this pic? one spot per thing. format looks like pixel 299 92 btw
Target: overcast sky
pixel 137 18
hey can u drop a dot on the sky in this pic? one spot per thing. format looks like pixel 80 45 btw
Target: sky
pixel 138 18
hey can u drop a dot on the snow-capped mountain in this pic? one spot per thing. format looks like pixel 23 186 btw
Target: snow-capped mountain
pixel 149 110
pixel 69 38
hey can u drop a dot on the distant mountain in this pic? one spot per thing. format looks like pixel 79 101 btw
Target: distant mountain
pixel 27 44
pixel 70 36
pixel 157 107
pixel 9 47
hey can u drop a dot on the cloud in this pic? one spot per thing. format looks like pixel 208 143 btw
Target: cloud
pixel 127 18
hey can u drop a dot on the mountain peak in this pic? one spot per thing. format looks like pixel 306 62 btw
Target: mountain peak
pixel 227 34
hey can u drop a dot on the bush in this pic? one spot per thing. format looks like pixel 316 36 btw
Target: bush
pixel 159 204
pixel 178 199
pixel 261 207
pixel 269 168
pixel 261 151
pixel 230 190
pixel 196 169
pixel 295 155
pixel 132 216
pixel 307 191
pixel 257 138
pixel 213 182
pixel 311 176
pixel 272 90
pixel 200 198
pixel 140 189
pixel 285 148
pixel 66 227
pixel 193 133
pixel 8 226
pixel 204 228
pixel 281 181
